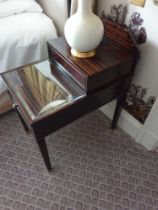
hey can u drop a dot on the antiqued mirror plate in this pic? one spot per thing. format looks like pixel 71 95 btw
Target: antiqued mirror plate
pixel 42 88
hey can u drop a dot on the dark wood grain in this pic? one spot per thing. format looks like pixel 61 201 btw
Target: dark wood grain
pixel 113 58
pixel 107 55
pixel 119 34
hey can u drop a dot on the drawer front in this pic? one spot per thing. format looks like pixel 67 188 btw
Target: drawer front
pixel 109 75
pixel 98 79
pixel 76 75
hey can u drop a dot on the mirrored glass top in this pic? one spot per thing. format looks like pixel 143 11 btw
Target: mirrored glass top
pixel 42 88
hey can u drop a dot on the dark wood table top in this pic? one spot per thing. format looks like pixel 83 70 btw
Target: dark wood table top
pixel 107 55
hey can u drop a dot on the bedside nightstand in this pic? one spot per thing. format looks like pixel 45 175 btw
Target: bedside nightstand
pixel 104 77
pixel 51 94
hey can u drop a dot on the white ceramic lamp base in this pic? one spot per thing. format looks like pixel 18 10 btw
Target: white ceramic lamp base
pixel 84 31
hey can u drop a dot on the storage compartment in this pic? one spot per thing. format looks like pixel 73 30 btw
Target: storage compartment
pixel 110 62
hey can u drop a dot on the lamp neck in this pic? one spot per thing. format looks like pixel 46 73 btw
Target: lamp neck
pixel 84 7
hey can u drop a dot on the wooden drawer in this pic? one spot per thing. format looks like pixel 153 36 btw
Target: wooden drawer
pixel 68 69
pixel 109 64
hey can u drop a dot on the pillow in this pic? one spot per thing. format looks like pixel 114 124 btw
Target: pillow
pixel 12 7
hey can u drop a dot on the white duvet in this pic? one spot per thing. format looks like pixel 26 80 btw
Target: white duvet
pixel 23 40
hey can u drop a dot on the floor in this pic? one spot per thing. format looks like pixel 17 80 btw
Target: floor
pixel 94 168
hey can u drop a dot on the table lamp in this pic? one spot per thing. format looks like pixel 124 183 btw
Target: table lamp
pixel 84 30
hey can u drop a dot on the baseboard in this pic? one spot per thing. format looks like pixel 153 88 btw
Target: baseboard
pixel 134 128
pixel 127 122
pixel 148 139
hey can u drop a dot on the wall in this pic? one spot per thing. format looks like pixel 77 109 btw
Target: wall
pixel 148 135
pixel 57 10
pixel 146 74
pixel 147 71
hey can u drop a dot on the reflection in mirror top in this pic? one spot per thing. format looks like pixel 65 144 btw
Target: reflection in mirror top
pixel 43 88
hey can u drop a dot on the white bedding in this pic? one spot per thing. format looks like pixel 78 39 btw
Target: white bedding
pixel 23 40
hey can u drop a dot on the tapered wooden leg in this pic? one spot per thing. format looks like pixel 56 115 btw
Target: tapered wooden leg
pixel 118 109
pixel 44 151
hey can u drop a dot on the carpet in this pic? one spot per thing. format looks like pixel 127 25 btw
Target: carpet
pixel 94 168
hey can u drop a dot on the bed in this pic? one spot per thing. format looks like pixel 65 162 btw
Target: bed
pixel 23 35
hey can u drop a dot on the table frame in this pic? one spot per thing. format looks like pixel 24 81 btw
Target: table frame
pixel 44 127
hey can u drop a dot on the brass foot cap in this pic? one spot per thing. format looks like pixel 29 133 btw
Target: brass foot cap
pixel 83 54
